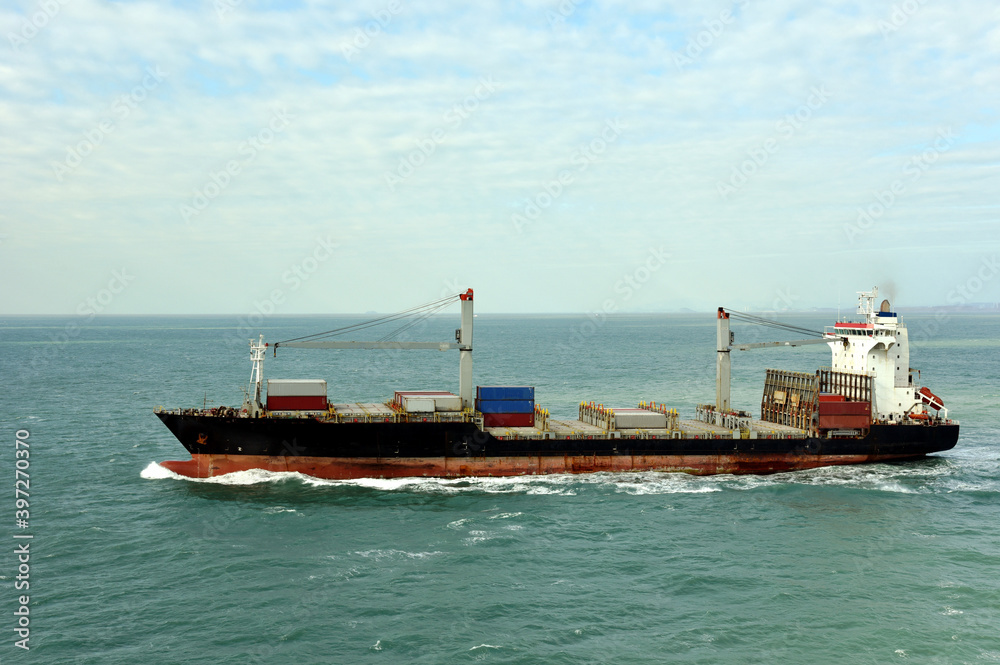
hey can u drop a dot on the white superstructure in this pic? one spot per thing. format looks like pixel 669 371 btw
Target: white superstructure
pixel 879 347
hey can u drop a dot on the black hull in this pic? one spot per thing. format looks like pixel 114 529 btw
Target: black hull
pixel 347 450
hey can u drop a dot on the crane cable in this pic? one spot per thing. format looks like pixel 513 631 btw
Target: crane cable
pixel 416 321
pixel 422 311
pixel 759 320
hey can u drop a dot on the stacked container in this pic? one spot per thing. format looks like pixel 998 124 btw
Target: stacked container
pixel 836 412
pixel 296 395
pixel 506 406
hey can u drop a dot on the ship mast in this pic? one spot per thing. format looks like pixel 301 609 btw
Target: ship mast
pixel 866 304
pixel 723 380
pixel 252 403
pixel 464 337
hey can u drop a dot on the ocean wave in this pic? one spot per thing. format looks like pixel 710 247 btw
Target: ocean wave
pixel 917 478
pixel 378 555
pixel 155 471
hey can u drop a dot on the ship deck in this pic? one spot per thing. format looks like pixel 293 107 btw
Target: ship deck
pixel 556 428
pixel 687 429
pixel 564 429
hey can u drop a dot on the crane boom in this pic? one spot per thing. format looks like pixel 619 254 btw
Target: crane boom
pixel 463 343
pixel 440 346
pixel 797 342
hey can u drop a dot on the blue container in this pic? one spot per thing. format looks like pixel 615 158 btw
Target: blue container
pixel 505 406
pixel 492 393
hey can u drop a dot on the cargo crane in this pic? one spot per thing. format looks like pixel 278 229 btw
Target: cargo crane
pixel 253 404
pixel 725 343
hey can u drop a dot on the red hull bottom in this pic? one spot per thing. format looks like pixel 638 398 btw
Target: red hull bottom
pixel 210 465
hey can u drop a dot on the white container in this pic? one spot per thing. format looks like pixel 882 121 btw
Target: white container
pixel 418 405
pixel 639 419
pixel 296 387
pixel 447 403
pixel 443 400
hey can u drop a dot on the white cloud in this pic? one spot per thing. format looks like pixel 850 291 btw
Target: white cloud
pixel 686 129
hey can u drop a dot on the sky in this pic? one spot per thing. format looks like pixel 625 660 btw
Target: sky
pixel 241 156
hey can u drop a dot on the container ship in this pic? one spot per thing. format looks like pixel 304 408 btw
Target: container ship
pixel 863 408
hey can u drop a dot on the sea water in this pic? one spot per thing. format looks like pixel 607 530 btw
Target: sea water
pixel 130 563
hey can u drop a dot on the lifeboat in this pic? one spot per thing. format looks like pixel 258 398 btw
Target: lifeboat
pixel 930 399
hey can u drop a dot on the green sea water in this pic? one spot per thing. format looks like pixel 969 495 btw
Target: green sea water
pixel 131 564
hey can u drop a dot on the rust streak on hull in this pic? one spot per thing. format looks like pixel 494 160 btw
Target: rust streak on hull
pixel 212 465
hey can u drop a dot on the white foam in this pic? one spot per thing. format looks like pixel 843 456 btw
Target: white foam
pixel 485 646
pixel 156 472
pixel 385 484
pixel 502 485
pixel 874 477
pixel 966 486
pixel 479 537
pixel 274 510
pixel 553 484
pixel 395 554
pixel 645 484
pixel 251 477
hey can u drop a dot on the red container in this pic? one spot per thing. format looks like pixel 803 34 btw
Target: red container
pixel 844 422
pixel 845 415
pixel 508 420
pixel 845 409
pixel 831 397
pixel 296 403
